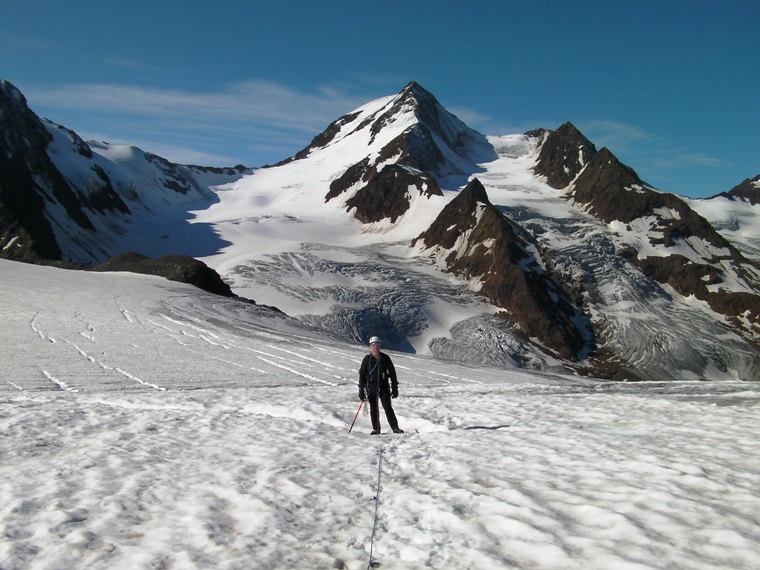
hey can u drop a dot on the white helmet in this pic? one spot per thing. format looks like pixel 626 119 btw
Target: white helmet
pixel 375 339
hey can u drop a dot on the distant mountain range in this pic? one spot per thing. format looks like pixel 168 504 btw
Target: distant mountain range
pixel 533 250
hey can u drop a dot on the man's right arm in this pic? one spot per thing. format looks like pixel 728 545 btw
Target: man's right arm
pixel 362 377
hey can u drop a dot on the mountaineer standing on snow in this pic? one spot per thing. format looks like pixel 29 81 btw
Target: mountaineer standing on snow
pixel 377 380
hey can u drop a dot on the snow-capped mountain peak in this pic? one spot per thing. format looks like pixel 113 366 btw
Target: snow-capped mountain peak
pixel 411 129
pixel 561 258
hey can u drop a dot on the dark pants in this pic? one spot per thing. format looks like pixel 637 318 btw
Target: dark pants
pixel 374 411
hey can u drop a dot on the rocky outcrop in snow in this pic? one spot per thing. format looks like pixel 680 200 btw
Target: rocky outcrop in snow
pixel 562 154
pixel 474 240
pixel 181 268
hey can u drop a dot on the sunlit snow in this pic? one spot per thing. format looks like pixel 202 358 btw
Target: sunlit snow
pixel 146 424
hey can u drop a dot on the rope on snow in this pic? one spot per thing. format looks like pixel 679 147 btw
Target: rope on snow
pixel 372 563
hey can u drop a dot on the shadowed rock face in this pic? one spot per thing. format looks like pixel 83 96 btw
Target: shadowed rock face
pixel 179 268
pixel 487 246
pixel 386 195
pixel 748 190
pixel 611 191
pixel 58 202
pixel 562 155
pixel 27 176
pixel 703 282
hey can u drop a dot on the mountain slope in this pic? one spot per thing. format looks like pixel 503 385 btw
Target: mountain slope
pixel 30 183
pixel 64 199
pixel 681 249
pixel 471 238
pixel 428 145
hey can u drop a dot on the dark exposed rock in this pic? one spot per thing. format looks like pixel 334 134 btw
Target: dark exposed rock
pixel 386 195
pixel 322 139
pixel 21 128
pixel 493 249
pixel 416 148
pixel 562 155
pixel 682 274
pixel 742 309
pixel 181 268
pixel 353 175
pixel 25 232
pixel 612 191
pixel 703 281
pixel 748 190
pixel 459 216
pixel 225 170
pixel 29 180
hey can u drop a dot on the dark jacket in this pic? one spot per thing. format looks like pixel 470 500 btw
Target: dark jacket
pixel 376 377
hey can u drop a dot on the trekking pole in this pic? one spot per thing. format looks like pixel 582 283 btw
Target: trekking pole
pixel 356 416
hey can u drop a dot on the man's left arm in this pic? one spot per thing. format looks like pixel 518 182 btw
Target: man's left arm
pixel 394 378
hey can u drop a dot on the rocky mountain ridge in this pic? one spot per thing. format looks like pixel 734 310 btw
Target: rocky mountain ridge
pixel 614 193
pixel 475 240
pixel 748 191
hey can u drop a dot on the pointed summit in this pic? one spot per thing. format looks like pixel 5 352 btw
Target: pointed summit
pixel 413 123
pixel 412 135
pixel 426 107
pixel 417 93
pixel 437 122
pixel 20 127
pixel 563 154
pixel 457 218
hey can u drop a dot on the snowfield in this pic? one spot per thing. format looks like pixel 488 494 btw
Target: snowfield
pixel 146 424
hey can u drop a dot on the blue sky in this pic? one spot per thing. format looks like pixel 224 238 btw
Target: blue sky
pixel 670 87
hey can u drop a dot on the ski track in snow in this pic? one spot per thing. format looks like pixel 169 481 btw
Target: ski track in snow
pixel 183 430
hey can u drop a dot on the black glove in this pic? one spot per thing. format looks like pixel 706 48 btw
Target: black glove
pixel 362 395
pixel 394 393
